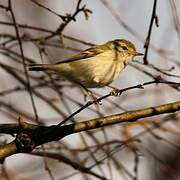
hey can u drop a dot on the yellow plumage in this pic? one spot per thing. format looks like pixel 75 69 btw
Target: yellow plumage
pixel 94 67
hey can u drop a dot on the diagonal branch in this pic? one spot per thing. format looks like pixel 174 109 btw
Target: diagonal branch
pixel 29 136
pixel 118 92
pixel 147 42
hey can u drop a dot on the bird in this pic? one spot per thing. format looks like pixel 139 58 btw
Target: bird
pixel 95 67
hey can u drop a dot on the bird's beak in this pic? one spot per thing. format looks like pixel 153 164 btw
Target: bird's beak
pixel 138 54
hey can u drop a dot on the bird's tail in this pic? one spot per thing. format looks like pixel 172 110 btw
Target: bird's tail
pixel 41 67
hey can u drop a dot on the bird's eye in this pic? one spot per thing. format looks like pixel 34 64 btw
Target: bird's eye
pixel 124 48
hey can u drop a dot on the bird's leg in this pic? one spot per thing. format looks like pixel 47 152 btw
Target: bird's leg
pixel 115 91
pixel 89 93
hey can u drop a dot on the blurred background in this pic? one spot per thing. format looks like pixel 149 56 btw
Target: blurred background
pixel 153 151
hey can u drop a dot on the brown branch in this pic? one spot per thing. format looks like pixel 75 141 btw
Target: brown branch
pixel 28 138
pixel 23 59
pixel 61 157
pixel 129 116
pixel 35 28
pixel 118 92
pixel 63 18
pixel 23 82
pixel 4 7
pixel 70 18
pixel 136 137
pixel 147 42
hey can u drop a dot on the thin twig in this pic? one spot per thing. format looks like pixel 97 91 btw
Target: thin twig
pixel 139 86
pixel 23 59
pixel 64 18
pixel 147 41
pixel 34 135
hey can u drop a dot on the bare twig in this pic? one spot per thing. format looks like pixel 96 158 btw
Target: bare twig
pixel 23 59
pixel 61 157
pixel 147 42
pixel 34 135
pixel 70 18
pixel 64 18
pixel 119 92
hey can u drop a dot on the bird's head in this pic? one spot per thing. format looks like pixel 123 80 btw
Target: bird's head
pixel 125 48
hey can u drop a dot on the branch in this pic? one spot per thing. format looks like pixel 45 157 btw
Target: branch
pixel 71 17
pixel 61 157
pixel 28 138
pixel 146 44
pixel 117 93
pixel 63 18
pixel 128 116
pixel 23 58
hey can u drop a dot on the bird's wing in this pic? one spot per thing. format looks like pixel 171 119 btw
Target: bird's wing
pixel 91 52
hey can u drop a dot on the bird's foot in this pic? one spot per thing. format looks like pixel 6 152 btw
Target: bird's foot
pixel 93 97
pixel 115 91
pixel 90 94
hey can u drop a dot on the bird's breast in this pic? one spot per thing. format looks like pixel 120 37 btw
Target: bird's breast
pixel 97 71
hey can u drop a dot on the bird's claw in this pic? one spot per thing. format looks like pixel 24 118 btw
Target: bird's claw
pixel 116 92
